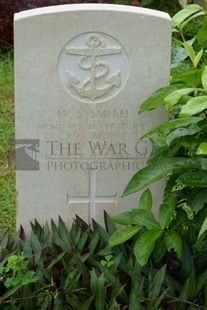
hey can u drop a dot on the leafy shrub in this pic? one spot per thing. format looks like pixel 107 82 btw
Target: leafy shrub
pixel 178 236
pixel 179 146
pixel 170 240
pixel 54 268
pixel 60 269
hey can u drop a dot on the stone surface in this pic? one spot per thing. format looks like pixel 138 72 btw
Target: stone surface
pixel 81 73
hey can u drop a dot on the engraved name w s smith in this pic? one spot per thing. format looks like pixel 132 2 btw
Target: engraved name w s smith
pixel 94 114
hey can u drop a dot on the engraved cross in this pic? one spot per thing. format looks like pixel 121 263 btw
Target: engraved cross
pixel 92 199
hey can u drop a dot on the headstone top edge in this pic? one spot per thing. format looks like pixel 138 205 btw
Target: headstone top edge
pixel 89 7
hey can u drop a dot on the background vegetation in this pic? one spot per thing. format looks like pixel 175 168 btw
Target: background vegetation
pixel 9 7
pixel 7 176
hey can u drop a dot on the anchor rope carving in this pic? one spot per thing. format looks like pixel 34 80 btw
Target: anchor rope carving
pixel 97 76
pixel 98 70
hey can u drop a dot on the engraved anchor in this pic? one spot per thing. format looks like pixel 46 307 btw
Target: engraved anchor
pixel 98 69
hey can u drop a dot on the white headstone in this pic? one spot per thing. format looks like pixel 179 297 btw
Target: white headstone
pixel 81 73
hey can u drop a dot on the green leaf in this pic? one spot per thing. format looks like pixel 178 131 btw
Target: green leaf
pixel 202 34
pixel 110 227
pixel 124 218
pixel 160 133
pixel 72 301
pixel 55 260
pixel 197 58
pixel 144 245
pixel 199 201
pixel 203 228
pixel 173 241
pixel 156 284
pixel 29 277
pixel 188 259
pixel 145 218
pixel 204 78
pixel 64 235
pixel 82 242
pixel 12 282
pixel 202 149
pixel 184 294
pixel 146 201
pixel 121 236
pixel 192 77
pixel 190 51
pixel 87 304
pixel 159 250
pixel 148 175
pixel 166 211
pixel 94 242
pixel 103 234
pixel 182 132
pixel 156 303
pixel 35 243
pixel 185 13
pixel 160 152
pixel 97 288
pixel 190 18
pixel 188 291
pixel 115 261
pixel 9 293
pixel 201 282
pixel 194 178
pixel 175 96
pixel 175 123
pixel 116 290
pixel 55 233
pixel 136 288
pixel 37 228
pixel 203 125
pixel 175 31
pixel 156 170
pixel 142 217
pixel 157 98
pixel 194 106
pixel 178 53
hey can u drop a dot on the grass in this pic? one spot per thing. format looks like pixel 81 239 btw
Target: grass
pixel 7 176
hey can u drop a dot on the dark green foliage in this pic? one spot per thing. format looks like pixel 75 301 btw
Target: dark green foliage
pixel 178 236
pixel 177 239
pixel 54 268
pixel 169 6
